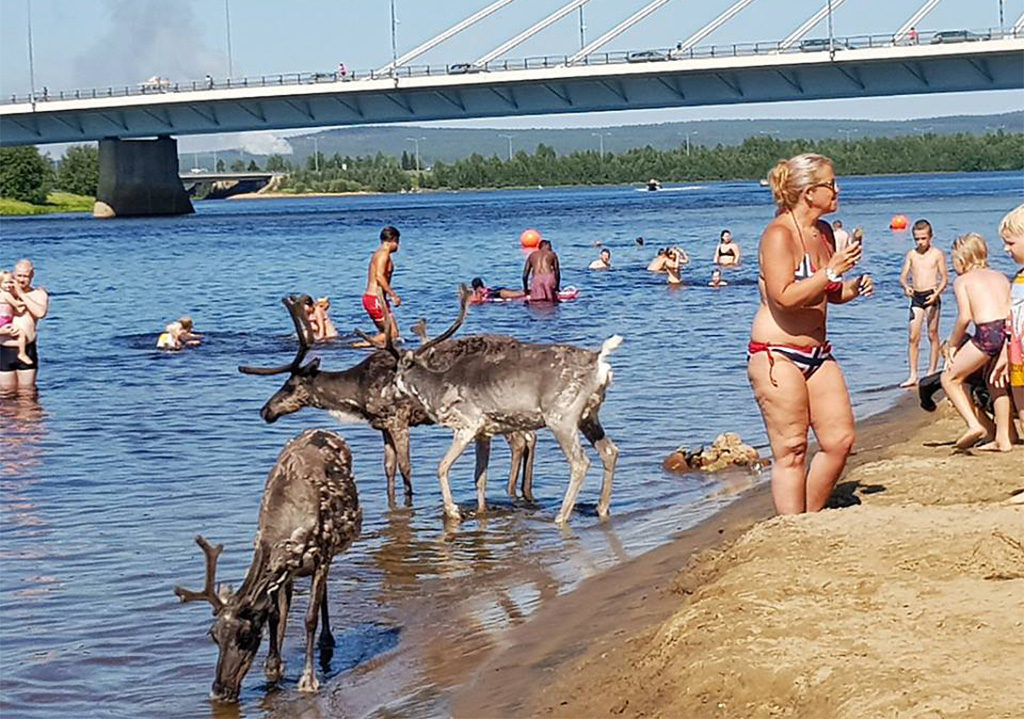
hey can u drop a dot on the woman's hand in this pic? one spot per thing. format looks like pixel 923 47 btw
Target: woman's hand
pixel 9 331
pixel 865 286
pixel 1000 374
pixel 844 260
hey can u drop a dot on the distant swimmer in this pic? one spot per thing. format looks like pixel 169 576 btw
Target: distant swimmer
pixel 604 262
pixel 378 296
pixel 727 253
pixel 673 261
pixel 841 235
pixel 542 277
pixel 178 335
pixel 640 241
pixel 924 277
pixel 319 321
pixel 658 264
pixel 482 293
pixel 716 279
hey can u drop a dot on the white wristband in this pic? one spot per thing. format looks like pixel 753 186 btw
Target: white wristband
pixel 831 276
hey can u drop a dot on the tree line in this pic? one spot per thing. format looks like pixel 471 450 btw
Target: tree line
pixel 27 175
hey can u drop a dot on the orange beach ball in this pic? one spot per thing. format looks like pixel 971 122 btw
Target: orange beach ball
pixel 898 222
pixel 529 239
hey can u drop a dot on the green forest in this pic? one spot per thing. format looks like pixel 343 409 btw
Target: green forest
pixel 749 160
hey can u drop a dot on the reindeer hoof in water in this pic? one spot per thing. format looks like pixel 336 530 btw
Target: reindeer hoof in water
pixel 309 682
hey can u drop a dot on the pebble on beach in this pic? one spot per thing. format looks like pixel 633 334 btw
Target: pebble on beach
pixel 727 450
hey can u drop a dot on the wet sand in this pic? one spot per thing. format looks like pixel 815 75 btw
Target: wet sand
pixel 909 601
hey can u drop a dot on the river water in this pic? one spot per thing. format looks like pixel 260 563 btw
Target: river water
pixel 130 452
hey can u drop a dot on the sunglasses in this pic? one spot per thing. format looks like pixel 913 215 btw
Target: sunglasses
pixel 831 184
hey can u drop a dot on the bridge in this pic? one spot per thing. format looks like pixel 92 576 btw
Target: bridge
pixel 902 62
pixel 212 185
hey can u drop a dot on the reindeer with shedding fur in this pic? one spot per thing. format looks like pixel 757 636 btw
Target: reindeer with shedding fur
pixel 366 392
pixel 503 386
pixel 309 513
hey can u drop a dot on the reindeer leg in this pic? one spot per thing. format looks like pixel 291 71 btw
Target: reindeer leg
pixel 516 445
pixel 326 643
pixel 608 453
pixel 273 669
pixel 569 440
pixel 318 587
pixel 529 452
pixel 401 439
pixel 390 461
pixel 483 458
pixel 460 441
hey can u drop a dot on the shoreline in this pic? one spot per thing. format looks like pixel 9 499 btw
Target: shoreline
pixel 606 647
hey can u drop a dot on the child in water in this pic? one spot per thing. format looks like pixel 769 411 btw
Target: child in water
pixel 323 327
pixel 178 335
pixel 982 297
pixel 716 279
pixel 10 308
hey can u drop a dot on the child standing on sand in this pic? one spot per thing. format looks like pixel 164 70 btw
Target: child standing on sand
pixel 1011 229
pixel 10 308
pixel 982 297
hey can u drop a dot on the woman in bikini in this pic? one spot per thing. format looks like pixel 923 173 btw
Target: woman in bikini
pixel 796 381
pixel 727 253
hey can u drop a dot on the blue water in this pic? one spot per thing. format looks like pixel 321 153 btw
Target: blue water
pixel 130 452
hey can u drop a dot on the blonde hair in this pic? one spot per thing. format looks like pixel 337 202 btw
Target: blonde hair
pixel 969 253
pixel 789 178
pixel 186 323
pixel 1012 224
pixel 858 234
pixel 6 274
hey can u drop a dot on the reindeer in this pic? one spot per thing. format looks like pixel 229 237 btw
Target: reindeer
pixel 366 392
pixel 310 512
pixel 503 386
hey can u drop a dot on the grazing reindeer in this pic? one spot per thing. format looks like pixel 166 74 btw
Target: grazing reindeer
pixel 310 512
pixel 367 393
pixel 503 386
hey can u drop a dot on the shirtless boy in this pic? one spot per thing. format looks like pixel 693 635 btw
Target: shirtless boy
pixel 924 277
pixel 547 277
pixel 378 286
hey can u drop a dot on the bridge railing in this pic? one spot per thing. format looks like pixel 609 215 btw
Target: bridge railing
pixel 162 86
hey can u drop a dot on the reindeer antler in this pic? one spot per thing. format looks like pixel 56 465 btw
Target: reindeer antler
pixel 296 305
pixel 464 296
pixel 209 592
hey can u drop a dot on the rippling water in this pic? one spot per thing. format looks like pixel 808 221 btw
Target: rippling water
pixel 130 452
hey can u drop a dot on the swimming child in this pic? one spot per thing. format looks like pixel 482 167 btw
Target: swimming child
pixel 11 308
pixel 320 322
pixel 178 335
pixel 982 297
pixel 716 279
pixel 482 293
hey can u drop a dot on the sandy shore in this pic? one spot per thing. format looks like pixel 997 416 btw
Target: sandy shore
pixel 907 602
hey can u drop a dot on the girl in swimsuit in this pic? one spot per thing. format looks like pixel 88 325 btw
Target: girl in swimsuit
pixel 982 297
pixel 728 252
pixel 10 308
pixel 796 381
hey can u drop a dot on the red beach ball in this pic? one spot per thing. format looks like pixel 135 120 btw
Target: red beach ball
pixel 529 239
pixel 899 222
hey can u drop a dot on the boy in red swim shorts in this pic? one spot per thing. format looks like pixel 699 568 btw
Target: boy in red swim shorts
pixel 378 286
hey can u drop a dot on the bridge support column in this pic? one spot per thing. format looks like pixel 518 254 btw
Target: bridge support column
pixel 140 177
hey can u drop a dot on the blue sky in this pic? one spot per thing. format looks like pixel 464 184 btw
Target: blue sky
pixel 96 43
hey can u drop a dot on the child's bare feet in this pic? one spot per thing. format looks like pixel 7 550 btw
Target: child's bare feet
pixel 909 382
pixel 24 358
pixel 995 446
pixel 971 437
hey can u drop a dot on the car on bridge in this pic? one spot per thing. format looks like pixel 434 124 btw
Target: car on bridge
pixel 155 84
pixel 464 68
pixel 947 36
pixel 817 44
pixel 646 56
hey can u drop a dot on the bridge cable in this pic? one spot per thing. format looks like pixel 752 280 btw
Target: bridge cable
pixel 725 17
pixel 449 33
pixel 530 31
pixel 617 30
pixel 811 22
pixel 904 30
pixel 1019 25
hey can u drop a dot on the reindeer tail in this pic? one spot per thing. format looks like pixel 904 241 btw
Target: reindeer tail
pixel 610 345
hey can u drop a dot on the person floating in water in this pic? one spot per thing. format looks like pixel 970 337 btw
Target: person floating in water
pixel 727 253
pixel 12 307
pixel 178 335
pixel 378 296
pixel 924 278
pixel 546 280
pixel 482 293
pixel 716 279
pixel 604 262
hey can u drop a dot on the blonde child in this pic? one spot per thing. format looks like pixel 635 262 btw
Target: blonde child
pixel 12 307
pixel 1011 229
pixel 982 297
pixel 323 327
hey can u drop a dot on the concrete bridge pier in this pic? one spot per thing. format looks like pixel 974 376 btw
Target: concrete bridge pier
pixel 140 177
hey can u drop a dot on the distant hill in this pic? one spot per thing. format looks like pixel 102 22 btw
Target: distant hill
pixel 448 144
